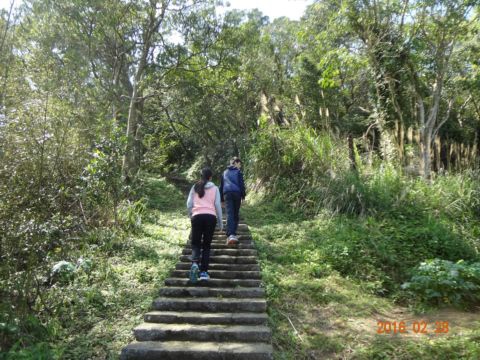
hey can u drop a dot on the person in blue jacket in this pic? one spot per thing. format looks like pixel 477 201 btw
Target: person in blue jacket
pixel 232 192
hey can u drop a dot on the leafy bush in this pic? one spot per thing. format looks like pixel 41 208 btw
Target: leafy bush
pixel 441 281
pixel 63 271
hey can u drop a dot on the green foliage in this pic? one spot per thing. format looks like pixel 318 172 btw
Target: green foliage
pixel 31 339
pixel 445 282
pixel 284 94
pixel 63 271
pixel 297 164
pixel 93 294
pixel 383 223
pixel 312 172
pixel 328 277
pixel 130 214
pixel 458 347
pixel 384 250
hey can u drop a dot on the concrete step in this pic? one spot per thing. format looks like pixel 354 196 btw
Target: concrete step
pixel 224 242
pixel 197 332
pixel 245 233
pixel 233 267
pixel 210 304
pixel 241 226
pixel 223 245
pixel 188 350
pixel 225 259
pixel 189 291
pixel 224 237
pixel 221 274
pixel 238 292
pixel 195 317
pixel 230 252
pixel 214 282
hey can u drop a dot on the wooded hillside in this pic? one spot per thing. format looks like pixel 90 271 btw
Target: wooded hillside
pixel 361 120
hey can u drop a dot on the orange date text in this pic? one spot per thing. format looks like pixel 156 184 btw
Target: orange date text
pixel 416 327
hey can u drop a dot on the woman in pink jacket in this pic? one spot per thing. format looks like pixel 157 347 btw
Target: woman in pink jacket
pixel 205 211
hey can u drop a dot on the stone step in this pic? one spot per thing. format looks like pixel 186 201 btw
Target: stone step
pixel 245 233
pixel 197 332
pixel 237 245
pixel 229 252
pixel 210 304
pixel 223 245
pixel 221 274
pixel 189 291
pixel 188 350
pixel 241 225
pixel 213 266
pixel 214 282
pixel 225 259
pixel 224 237
pixel 195 317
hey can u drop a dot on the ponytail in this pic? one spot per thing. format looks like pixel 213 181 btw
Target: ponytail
pixel 200 185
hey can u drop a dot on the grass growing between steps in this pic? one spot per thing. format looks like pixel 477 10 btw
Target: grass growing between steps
pixel 331 278
pixel 92 316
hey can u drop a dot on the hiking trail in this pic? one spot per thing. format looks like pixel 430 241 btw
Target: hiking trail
pixel 223 318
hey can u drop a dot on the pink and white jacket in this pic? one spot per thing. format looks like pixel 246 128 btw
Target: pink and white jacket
pixel 208 204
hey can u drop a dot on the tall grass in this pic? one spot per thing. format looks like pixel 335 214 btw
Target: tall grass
pixel 313 172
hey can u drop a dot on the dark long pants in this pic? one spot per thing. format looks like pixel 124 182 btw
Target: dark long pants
pixel 232 203
pixel 203 227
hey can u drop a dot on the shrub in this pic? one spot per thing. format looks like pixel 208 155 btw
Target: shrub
pixel 441 281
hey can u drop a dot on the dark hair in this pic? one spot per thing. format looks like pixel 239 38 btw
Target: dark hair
pixel 235 160
pixel 200 185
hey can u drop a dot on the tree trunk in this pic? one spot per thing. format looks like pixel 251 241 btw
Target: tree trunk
pixel 351 153
pixel 130 161
pixel 132 157
pixel 426 155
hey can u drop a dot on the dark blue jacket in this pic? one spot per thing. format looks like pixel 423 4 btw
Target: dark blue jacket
pixel 232 181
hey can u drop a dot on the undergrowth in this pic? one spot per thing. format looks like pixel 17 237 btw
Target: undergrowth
pixel 90 313
pixel 331 277
pixel 337 243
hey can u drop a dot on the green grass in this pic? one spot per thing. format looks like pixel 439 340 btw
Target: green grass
pixel 331 277
pixel 93 316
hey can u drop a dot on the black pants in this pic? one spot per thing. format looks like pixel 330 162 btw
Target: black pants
pixel 233 201
pixel 203 227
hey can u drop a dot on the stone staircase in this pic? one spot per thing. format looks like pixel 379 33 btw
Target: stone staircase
pixel 224 318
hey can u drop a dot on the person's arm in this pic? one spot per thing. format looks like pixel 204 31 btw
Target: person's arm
pixel 190 201
pixel 218 209
pixel 221 189
pixel 242 185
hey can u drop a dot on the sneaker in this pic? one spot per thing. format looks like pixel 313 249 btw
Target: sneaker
pixel 194 273
pixel 232 240
pixel 204 276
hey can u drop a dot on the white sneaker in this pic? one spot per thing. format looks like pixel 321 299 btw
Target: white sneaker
pixel 204 276
pixel 232 240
